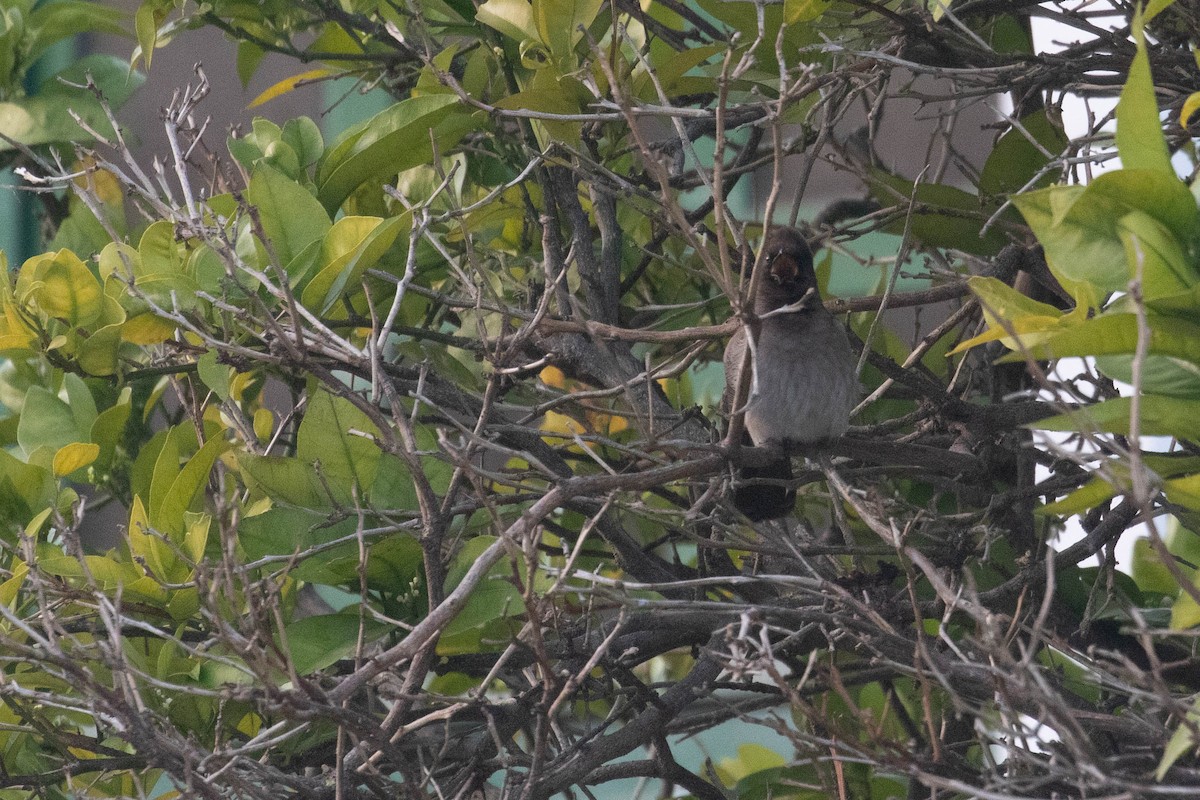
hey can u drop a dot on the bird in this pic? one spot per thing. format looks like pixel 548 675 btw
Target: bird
pixel 803 384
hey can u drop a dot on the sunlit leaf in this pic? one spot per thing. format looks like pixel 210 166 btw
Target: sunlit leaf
pixel 286 85
pixel 76 455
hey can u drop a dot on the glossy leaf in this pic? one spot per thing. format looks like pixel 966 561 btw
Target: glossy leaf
pixel 1078 227
pixel 1118 333
pixel 187 486
pixel 282 87
pixel 559 23
pixel 394 140
pixel 291 217
pixel 352 246
pixel 1154 253
pixel 76 455
pixel 513 18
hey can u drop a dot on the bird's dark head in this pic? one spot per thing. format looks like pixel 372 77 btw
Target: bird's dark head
pixel 789 264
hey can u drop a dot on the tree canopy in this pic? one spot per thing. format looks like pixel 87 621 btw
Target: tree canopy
pixel 414 427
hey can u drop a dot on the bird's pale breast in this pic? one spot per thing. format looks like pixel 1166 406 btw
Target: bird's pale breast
pixel 806 383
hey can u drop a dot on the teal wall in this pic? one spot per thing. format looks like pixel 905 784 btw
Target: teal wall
pixel 18 209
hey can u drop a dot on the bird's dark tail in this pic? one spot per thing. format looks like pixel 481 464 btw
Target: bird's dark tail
pixel 760 501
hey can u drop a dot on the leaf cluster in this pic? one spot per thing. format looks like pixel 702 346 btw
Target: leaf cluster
pixel 413 431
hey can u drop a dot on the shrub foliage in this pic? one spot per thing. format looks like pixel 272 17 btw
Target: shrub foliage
pixel 414 434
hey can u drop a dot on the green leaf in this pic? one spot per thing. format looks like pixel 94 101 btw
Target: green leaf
pixel 1184 491
pixel 215 376
pixel 1140 138
pixel 46 421
pixel 352 246
pixel 12 37
pixel 393 487
pixel 109 428
pixel 943 216
pixel 1181 742
pixel 315 643
pixel 146 21
pixel 392 141
pixel 494 600
pixel 1117 333
pixel 45 117
pixel 287 480
pixel 1160 416
pixel 1160 374
pixel 1078 226
pixel 804 10
pixel 158 252
pixel 558 23
pixel 1015 160
pixel 1185 612
pixel 146 544
pixel 1162 196
pixel 669 66
pixel 166 469
pixel 1153 9
pixel 249 56
pixel 548 94
pixel 68 290
pixel 513 18
pixel 1160 257
pixel 283 531
pixel 1149 571
pixel 25 489
pixel 291 217
pixel 1088 496
pixel 112 76
pixel 83 406
pixel 334 436
pixel 62 19
pixel 195 536
pixel 304 137
pixel 186 487
pixel 142 473
pixel 97 354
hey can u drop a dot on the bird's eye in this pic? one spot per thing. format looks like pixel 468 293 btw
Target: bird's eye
pixel 784 268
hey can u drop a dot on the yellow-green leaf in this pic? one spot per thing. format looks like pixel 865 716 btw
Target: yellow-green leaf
pixel 1140 138
pixel 68 290
pixel 286 85
pixel 76 455
pixel 513 18
pixel 1181 741
pixel 807 10
pixel 1190 106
